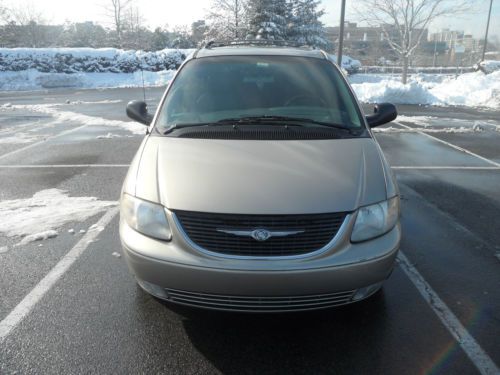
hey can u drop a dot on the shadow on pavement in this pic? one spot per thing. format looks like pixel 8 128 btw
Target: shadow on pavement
pixel 343 339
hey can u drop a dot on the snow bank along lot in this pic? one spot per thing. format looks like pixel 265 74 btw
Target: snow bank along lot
pixel 470 89
pixel 47 68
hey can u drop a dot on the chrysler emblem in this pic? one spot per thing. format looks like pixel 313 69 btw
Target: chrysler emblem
pixel 260 234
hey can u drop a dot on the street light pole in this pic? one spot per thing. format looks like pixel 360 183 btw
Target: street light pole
pixel 487 29
pixel 341 35
pixel 435 52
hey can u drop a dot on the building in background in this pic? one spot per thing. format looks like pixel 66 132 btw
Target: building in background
pixel 367 43
pixel 444 48
pixel 459 48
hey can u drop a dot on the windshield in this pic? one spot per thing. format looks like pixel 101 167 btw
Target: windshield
pixel 212 89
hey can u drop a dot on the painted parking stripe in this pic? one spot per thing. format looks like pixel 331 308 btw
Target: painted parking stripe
pixel 476 354
pixel 453 146
pixel 397 167
pixel 41 166
pixel 16 316
pixel 403 167
pixel 42 141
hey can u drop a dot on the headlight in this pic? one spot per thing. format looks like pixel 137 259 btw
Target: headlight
pixel 145 217
pixel 375 220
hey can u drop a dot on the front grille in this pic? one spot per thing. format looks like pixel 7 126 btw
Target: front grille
pixel 244 303
pixel 202 229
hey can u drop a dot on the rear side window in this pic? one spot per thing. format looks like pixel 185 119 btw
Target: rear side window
pixel 215 88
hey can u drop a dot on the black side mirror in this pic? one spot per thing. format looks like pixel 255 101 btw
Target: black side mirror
pixel 138 111
pixel 382 114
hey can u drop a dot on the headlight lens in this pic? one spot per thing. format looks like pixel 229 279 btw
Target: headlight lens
pixel 375 220
pixel 145 217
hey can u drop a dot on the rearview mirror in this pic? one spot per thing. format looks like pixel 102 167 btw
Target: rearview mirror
pixel 382 114
pixel 138 111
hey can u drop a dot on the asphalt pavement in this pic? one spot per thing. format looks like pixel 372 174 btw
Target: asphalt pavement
pixel 70 306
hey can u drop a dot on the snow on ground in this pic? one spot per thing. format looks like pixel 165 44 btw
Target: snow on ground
pixel 432 124
pixel 470 89
pixel 35 80
pixel 60 115
pixel 461 129
pixel 20 138
pixel 428 121
pixel 39 217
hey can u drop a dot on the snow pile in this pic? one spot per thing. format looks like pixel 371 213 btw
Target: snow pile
pixel 470 89
pixel 35 80
pixel 39 217
pixel 89 60
pixel 393 91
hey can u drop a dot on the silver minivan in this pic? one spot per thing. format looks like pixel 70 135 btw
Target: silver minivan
pixel 259 186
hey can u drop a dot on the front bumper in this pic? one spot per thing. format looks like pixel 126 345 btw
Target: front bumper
pixel 176 272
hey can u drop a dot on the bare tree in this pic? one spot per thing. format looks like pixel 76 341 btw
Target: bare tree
pixel 405 22
pixel 32 21
pixel 133 20
pixel 134 32
pixel 116 11
pixel 3 13
pixel 226 19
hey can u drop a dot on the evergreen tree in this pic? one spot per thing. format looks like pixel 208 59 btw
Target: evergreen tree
pixel 304 26
pixel 267 19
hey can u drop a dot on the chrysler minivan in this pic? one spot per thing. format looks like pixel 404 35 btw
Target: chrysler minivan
pixel 259 186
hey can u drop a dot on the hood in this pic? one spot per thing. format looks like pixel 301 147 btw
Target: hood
pixel 261 177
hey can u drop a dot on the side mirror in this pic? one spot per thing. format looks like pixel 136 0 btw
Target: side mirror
pixel 138 111
pixel 382 114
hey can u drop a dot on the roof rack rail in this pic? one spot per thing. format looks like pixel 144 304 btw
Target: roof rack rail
pixel 254 42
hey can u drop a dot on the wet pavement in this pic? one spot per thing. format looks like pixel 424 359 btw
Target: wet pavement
pixel 94 319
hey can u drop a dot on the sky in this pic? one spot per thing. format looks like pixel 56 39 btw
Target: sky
pixel 184 12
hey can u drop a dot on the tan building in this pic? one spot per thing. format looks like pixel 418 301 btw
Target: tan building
pixel 366 43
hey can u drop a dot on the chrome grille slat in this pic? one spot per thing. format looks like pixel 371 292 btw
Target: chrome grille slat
pixel 311 296
pixel 260 300
pixel 202 230
pixel 264 303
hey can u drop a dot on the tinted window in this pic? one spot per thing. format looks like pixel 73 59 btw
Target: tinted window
pixel 216 88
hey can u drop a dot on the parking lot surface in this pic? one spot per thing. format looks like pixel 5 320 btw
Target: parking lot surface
pixel 69 305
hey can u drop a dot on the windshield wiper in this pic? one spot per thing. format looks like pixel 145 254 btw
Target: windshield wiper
pixel 285 120
pixel 258 120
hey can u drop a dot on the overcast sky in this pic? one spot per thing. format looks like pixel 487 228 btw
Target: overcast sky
pixel 184 12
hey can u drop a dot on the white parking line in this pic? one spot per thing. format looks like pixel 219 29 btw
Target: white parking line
pixel 11 321
pixel 476 354
pixel 444 167
pixel 40 142
pixel 452 146
pixel 40 166
pixel 396 167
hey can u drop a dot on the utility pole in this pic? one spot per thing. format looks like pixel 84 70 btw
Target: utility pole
pixel 435 52
pixel 487 29
pixel 341 35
